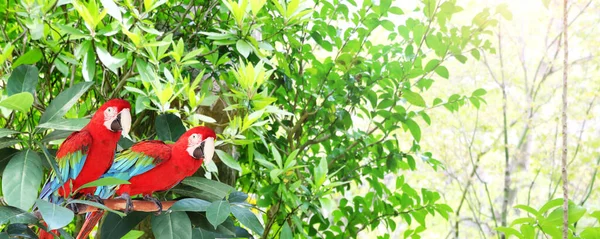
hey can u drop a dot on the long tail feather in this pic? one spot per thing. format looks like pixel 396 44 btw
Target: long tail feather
pixel 90 222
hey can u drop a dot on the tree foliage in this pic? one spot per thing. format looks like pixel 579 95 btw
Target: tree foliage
pixel 312 100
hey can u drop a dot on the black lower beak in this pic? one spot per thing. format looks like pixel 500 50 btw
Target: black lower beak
pixel 116 124
pixel 199 152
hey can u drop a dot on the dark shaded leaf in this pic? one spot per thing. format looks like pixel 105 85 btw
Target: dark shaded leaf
pixel 190 205
pixel 171 226
pixel 169 127
pixel 217 212
pixel 115 226
pixel 64 101
pixel 248 219
pixel 23 79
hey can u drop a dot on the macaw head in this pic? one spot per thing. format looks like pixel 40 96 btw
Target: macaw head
pixel 115 116
pixel 199 143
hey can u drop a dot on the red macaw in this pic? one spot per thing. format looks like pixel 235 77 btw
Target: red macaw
pixel 153 166
pixel 87 154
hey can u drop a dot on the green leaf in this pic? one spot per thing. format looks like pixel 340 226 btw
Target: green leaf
pixel 5 155
pixel 475 53
pixel 199 233
pixel 321 172
pixel 555 218
pixel 7 132
pixel 54 215
pixel 276 156
pixel 286 231
pixel 529 210
pixel 228 160
pixel 509 231
pixel 479 92
pixel 115 226
pixel 7 142
pixel 97 205
pixel 413 98
pixel 169 127
pixel 190 205
pixel 112 9
pixel 23 79
pixel 30 57
pixel 65 124
pixel 432 64
pixel 217 212
pixel 551 204
pixel 111 62
pixel 211 190
pixel 248 219
pixel 414 128
pixel 590 233
pixel 172 225
pixel 237 197
pixel 15 215
pixel 243 47
pixel 88 70
pixel 21 178
pixel 442 71
pixel 133 234
pixel 20 101
pixel 64 101
pixel 108 181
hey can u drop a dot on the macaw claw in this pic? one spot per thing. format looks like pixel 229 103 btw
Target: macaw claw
pixel 155 201
pixel 128 203
pixel 94 198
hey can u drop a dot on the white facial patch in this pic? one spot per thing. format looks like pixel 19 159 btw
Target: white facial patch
pixel 110 114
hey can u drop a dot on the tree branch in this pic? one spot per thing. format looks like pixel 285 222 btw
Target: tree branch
pixel 119 205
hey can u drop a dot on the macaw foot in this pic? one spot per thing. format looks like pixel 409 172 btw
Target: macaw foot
pixel 73 206
pixel 155 201
pixel 128 203
pixel 94 198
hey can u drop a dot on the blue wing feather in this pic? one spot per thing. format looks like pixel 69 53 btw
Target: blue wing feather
pixel 130 163
pixel 69 164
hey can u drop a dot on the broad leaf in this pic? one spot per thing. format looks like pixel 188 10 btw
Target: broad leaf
pixel 413 98
pixel 31 57
pixel 20 101
pixel 15 215
pixel 23 79
pixel 65 124
pixel 7 132
pixel 211 190
pixel 228 160
pixel 54 215
pixel 64 101
pixel 111 62
pixel 88 70
pixel 248 219
pixel 115 226
pixel 172 226
pixel 190 205
pixel 169 127
pixel 21 176
pixel 97 205
pixel 217 212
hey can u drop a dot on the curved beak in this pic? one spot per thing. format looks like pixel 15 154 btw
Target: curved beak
pixel 209 149
pixel 125 123
pixel 122 123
